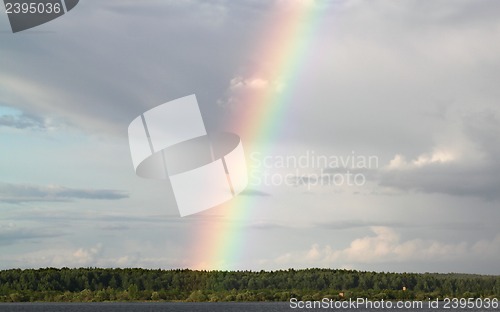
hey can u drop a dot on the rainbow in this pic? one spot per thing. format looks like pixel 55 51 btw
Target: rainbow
pixel 283 50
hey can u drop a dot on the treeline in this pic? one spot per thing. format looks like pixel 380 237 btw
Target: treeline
pixel 94 284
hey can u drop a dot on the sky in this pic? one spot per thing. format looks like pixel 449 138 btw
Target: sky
pixel 385 155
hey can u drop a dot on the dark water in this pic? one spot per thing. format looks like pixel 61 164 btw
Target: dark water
pixel 181 307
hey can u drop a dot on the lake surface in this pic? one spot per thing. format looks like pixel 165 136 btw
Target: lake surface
pixel 181 307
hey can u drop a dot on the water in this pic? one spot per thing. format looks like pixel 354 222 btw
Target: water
pixel 148 307
pixel 181 307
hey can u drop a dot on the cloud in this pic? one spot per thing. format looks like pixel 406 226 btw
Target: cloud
pixel 10 234
pixel 14 118
pixel 54 257
pixel 110 89
pixel 96 255
pixel 238 83
pixel 241 89
pixel 21 122
pixel 209 14
pixel 264 225
pixel 114 227
pixel 105 221
pixel 400 163
pixel 354 224
pixel 21 193
pixel 385 245
pixel 252 192
pixel 365 86
pixel 465 164
pixel 81 256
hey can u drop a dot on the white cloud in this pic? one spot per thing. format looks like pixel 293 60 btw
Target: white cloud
pixel 81 256
pixel 251 83
pixel 385 245
pixel 399 161
pixel 56 257
pixel 242 90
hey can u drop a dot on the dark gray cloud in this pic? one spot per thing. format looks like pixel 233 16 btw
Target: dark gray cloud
pixel 447 179
pixel 483 128
pixel 10 234
pixel 21 193
pixel 129 58
pixel 405 46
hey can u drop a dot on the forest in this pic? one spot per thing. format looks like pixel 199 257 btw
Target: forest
pixel 98 285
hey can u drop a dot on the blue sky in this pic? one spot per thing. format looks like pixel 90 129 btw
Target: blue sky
pixel 414 83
